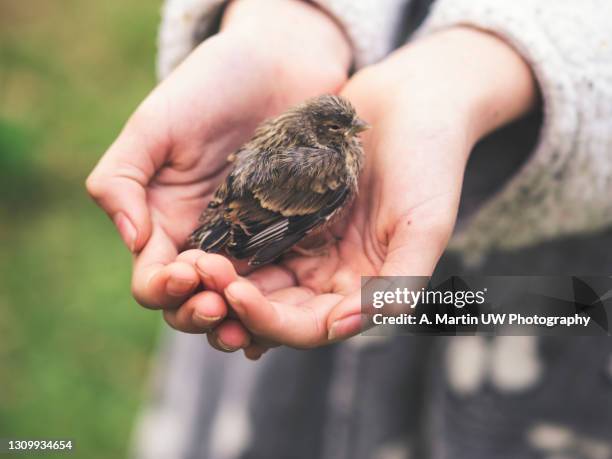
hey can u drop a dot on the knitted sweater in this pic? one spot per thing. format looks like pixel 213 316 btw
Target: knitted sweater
pixel 565 185
pixel 462 397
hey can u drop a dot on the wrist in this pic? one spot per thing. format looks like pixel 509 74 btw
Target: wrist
pixel 293 32
pixel 488 79
pixel 474 75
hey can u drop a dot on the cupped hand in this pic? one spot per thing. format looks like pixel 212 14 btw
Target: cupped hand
pixel 424 127
pixel 398 225
pixel 159 174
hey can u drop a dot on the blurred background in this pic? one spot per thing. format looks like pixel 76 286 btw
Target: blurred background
pixel 74 347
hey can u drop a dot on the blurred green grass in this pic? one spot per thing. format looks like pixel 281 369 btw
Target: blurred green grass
pixel 74 347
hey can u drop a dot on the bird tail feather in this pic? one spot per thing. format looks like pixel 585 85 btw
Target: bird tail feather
pixel 212 235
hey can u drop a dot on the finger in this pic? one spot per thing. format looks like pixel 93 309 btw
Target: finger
pixel 298 326
pixel 291 295
pixel 199 314
pixel 271 278
pixel 417 243
pixel 414 250
pixel 215 271
pixel 345 319
pixel 157 280
pixel 190 256
pixel 229 336
pixel 255 351
pixel 118 184
pixel 352 304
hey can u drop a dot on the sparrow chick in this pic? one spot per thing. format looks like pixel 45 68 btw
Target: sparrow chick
pixel 292 178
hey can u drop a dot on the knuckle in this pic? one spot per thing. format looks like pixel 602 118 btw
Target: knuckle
pixel 96 187
pixel 141 297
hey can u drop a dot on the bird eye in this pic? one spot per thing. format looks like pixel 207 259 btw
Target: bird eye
pixel 334 127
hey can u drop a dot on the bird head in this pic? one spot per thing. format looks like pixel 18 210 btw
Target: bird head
pixel 332 119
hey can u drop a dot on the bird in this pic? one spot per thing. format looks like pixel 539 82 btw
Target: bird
pixel 290 180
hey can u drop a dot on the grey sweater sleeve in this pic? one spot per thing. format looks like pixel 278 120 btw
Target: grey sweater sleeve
pixel 566 185
pixel 372 26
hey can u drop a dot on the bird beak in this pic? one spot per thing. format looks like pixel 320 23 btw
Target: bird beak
pixel 359 125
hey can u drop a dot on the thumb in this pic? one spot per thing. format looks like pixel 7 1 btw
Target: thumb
pixel 415 246
pixel 417 243
pixel 119 183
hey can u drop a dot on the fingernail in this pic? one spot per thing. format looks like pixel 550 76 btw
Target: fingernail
pixel 225 347
pixel 127 230
pixel 204 321
pixel 179 287
pixel 344 328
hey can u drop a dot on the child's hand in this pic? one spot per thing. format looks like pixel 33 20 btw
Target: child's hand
pixel 428 103
pixel 157 177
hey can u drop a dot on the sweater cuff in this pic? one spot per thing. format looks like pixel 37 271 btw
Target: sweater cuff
pixel 184 24
pixel 552 194
pixel 372 26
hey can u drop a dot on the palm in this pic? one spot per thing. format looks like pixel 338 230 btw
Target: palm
pixel 161 171
pixel 196 126
pixel 355 252
pixel 318 284
pixel 398 225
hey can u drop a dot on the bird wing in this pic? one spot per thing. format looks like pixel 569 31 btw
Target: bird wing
pixel 213 232
pixel 303 190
